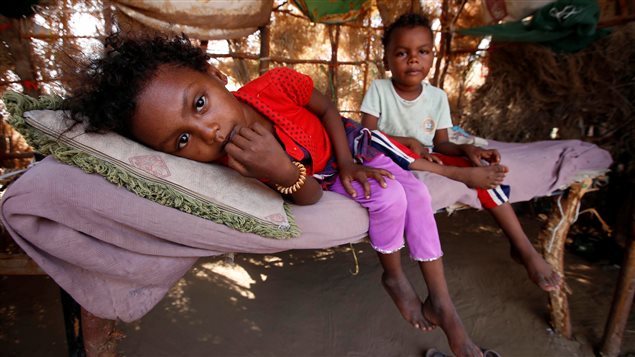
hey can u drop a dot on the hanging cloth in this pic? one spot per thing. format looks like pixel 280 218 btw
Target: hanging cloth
pixel 333 12
pixel 202 19
pixel 564 26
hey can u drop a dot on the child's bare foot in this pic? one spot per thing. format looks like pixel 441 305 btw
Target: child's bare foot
pixel 539 271
pixel 444 314
pixel 482 176
pixel 407 301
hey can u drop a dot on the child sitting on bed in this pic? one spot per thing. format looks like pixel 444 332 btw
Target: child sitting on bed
pixel 417 115
pixel 279 129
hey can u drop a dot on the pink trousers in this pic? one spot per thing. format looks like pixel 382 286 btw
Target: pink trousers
pixel 403 209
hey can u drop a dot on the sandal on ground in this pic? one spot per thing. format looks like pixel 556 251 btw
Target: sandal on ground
pixel 490 353
pixel 433 352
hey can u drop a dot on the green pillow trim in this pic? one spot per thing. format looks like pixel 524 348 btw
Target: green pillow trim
pixel 17 104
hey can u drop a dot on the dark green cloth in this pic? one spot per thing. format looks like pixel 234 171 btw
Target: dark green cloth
pixel 332 12
pixel 564 26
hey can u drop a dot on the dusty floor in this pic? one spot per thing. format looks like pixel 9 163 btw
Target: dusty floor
pixel 307 303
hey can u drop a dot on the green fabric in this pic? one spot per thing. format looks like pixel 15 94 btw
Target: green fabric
pixel 17 104
pixel 564 26
pixel 332 12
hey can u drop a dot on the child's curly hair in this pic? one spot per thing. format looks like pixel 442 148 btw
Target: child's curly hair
pixel 107 95
pixel 408 20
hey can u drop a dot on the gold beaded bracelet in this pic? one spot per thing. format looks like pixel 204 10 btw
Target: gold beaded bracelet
pixel 296 186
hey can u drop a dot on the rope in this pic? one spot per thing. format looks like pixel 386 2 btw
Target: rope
pixel 555 229
pixel 356 271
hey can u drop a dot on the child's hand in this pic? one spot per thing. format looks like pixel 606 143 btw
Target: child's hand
pixel 417 147
pixel 427 156
pixel 477 155
pixel 361 174
pixel 255 152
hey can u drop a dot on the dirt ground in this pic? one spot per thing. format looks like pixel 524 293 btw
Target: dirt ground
pixel 308 303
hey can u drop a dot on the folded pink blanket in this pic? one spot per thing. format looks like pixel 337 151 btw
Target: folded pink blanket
pixel 118 254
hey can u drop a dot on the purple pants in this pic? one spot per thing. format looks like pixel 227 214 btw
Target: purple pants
pixel 401 209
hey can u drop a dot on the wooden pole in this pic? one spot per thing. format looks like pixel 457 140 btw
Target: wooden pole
pixel 448 45
pixel 334 36
pixel 442 48
pixel 367 64
pixel 552 240
pixel 264 59
pixel 99 335
pixel 240 68
pixel 623 298
pixel 108 20
pixel 18 264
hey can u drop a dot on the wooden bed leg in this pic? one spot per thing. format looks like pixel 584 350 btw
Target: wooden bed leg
pixel 72 324
pixel 100 336
pixel 552 241
pixel 622 300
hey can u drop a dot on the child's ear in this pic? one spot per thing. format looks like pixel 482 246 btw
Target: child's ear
pixel 215 72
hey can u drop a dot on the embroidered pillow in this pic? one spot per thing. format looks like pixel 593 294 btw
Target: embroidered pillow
pixel 209 191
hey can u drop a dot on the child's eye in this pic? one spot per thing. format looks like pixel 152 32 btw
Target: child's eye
pixel 200 103
pixel 184 139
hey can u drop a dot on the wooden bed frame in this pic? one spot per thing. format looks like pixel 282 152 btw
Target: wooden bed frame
pixel 90 335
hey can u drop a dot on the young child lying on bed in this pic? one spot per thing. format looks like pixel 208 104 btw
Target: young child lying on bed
pixel 417 115
pixel 279 129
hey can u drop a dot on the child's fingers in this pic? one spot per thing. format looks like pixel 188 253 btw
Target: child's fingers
pixel 239 140
pixel 379 177
pixel 436 159
pixel 496 156
pixel 234 151
pixel 491 156
pixel 250 133
pixel 386 173
pixel 348 187
pixel 379 174
pixel 476 160
pixel 362 178
pixel 366 186
pixel 259 128
pixel 236 165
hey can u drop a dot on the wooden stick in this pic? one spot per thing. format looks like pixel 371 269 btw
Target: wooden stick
pixel 442 49
pixel 263 66
pixel 18 264
pixel 334 35
pixel 100 336
pixel 552 240
pixel 623 298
